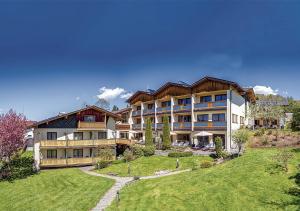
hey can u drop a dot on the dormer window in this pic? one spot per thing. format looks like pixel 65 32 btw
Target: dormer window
pixel 89 118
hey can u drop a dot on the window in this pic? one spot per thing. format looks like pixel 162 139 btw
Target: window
pixel 221 97
pixel 218 117
pixel 202 118
pixel 150 106
pixel 125 118
pixel 51 153
pixel 138 108
pixel 184 118
pixel 51 135
pixel 242 120
pixel 165 104
pixel 89 118
pixel 185 101
pixel 138 121
pixel 124 135
pixel 102 135
pixel 205 99
pixel 235 118
pixel 90 135
pixel 162 119
pixel 78 136
pixel 78 153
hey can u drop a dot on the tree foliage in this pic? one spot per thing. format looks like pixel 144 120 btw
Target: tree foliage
pixel 12 134
pixel 115 108
pixel 218 147
pixel 241 137
pixel 166 142
pixel 148 135
pixel 295 124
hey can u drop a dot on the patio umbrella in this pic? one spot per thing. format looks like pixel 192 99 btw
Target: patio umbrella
pixel 203 133
pixel 172 133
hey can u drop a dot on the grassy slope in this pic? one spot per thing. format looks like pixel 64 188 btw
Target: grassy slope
pixel 64 189
pixel 242 184
pixel 145 166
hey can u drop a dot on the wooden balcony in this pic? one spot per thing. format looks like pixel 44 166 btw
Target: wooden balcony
pixel 182 108
pixel 76 143
pixel 123 126
pixel 91 125
pixel 210 125
pixel 48 163
pixel 210 105
pixel 163 110
pixel 182 126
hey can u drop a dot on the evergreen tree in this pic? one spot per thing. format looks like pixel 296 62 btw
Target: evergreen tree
pixel 148 135
pixel 166 134
pixel 115 108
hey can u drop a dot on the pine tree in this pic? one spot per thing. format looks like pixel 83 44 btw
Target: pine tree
pixel 148 135
pixel 166 144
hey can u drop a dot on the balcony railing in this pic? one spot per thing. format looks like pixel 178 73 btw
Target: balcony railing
pixel 68 162
pixel 152 125
pixel 79 143
pixel 136 126
pixel 178 108
pixel 148 111
pixel 123 126
pixel 136 113
pixel 163 109
pixel 210 124
pixel 182 125
pixel 91 125
pixel 159 126
pixel 217 104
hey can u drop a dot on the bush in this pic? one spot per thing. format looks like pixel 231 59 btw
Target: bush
pixel 106 153
pixel 101 164
pixel 137 151
pixel 218 147
pixel 269 132
pixel 149 151
pixel 259 132
pixel 21 166
pixel 206 164
pixel 128 155
pixel 264 140
pixel 180 154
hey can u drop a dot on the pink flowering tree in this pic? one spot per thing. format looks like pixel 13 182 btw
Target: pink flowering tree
pixel 12 133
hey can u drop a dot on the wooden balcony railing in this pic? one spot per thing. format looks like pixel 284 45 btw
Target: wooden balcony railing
pixel 182 108
pixel 82 143
pixel 68 162
pixel 91 125
pixel 163 109
pixel 182 125
pixel 206 105
pixel 148 111
pixel 123 126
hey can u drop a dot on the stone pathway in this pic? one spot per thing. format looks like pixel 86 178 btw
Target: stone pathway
pixel 110 195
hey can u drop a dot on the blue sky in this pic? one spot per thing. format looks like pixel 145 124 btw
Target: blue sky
pixel 55 55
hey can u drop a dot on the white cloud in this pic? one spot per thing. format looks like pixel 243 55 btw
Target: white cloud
pixel 126 95
pixel 265 90
pixel 110 94
pixel 77 98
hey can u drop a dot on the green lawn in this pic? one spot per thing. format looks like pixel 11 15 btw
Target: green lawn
pixel 146 166
pixel 64 189
pixel 245 183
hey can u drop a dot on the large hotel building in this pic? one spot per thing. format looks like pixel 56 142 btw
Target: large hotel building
pixel 197 114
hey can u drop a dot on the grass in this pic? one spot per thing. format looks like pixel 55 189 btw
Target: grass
pixel 64 189
pixel 146 166
pixel 245 183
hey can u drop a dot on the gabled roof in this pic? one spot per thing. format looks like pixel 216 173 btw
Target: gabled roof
pixel 77 111
pixel 123 110
pixel 170 84
pixel 235 85
pixel 208 78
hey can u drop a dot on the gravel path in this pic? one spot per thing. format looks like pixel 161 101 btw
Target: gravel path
pixel 110 195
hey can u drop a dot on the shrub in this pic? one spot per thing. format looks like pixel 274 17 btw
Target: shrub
pixel 264 140
pixel 105 153
pixel 101 164
pixel 269 132
pixel 206 164
pixel 218 146
pixel 180 154
pixel 283 157
pixel 128 155
pixel 149 151
pixel 259 132
pixel 20 166
pixel 137 151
